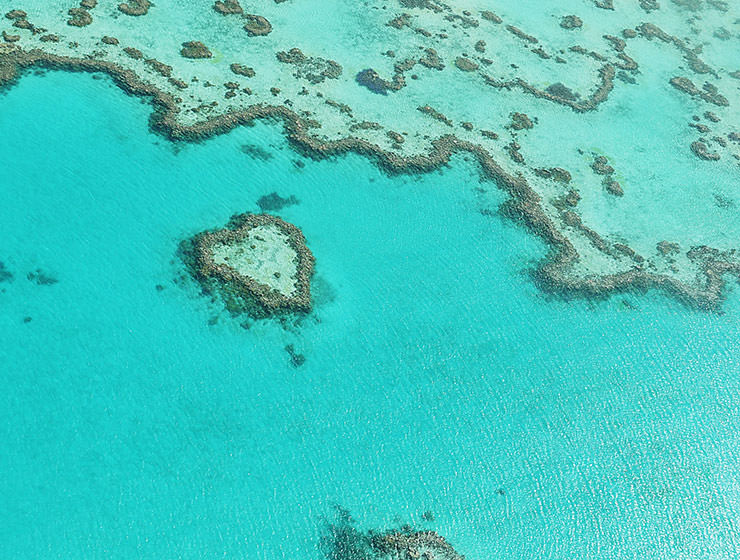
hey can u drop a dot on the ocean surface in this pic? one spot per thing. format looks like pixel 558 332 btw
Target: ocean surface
pixel 145 422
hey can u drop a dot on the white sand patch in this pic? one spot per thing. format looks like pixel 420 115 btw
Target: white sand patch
pixel 265 255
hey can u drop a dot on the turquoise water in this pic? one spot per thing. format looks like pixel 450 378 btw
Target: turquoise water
pixel 146 423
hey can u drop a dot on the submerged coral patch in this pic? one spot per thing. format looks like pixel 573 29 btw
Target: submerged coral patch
pixel 135 7
pixel 257 26
pixel 257 152
pixel 313 69
pixel 41 278
pixel 228 7
pixel 5 274
pixel 370 79
pixel 342 540
pixel 195 49
pixel 273 202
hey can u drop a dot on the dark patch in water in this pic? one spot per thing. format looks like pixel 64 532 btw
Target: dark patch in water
pixel 257 152
pixel 627 304
pixel 273 202
pixel 296 359
pixel 321 291
pixel 562 91
pixel 41 278
pixel 626 78
pixel 722 201
pixel 369 78
pixel 5 274
pixel 343 541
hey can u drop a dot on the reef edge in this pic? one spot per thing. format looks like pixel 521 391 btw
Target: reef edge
pixel 524 206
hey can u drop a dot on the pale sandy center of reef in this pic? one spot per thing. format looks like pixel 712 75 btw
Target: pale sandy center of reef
pixel 264 255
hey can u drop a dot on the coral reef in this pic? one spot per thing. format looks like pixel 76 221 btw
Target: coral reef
pixel 79 17
pixel 432 45
pixel 135 7
pixel 259 264
pixel 242 70
pixel 257 26
pixel 370 79
pixel 195 49
pixel 571 22
pixel 228 7
pixel 313 69
pixel 344 541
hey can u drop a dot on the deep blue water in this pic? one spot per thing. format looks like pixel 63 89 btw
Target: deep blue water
pixel 145 423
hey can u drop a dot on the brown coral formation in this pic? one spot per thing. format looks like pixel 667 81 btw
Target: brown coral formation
pixel 601 166
pixel 257 26
pixel 377 84
pixel 708 93
pixel 249 294
pixel 344 541
pixel 432 112
pixel 650 31
pixel 571 22
pixel 135 7
pixel 649 5
pixel 613 187
pixel 521 34
pixel 195 49
pixel 312 69
pixel 24 24
pixel 16 14
pixel 159 67
pixel 136 54
pixel 431 60
pixel 490 16
pixel 562 95
pixel 228 7
pixel 701 150
pixel 80 17
pixel 520 121
pixel 667 248
pixel 414 544
pixel 465 64
pixel 396 137
pixel 242 70
pixel 555 173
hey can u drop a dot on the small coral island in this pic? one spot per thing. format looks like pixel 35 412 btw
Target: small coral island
pixel 259 264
